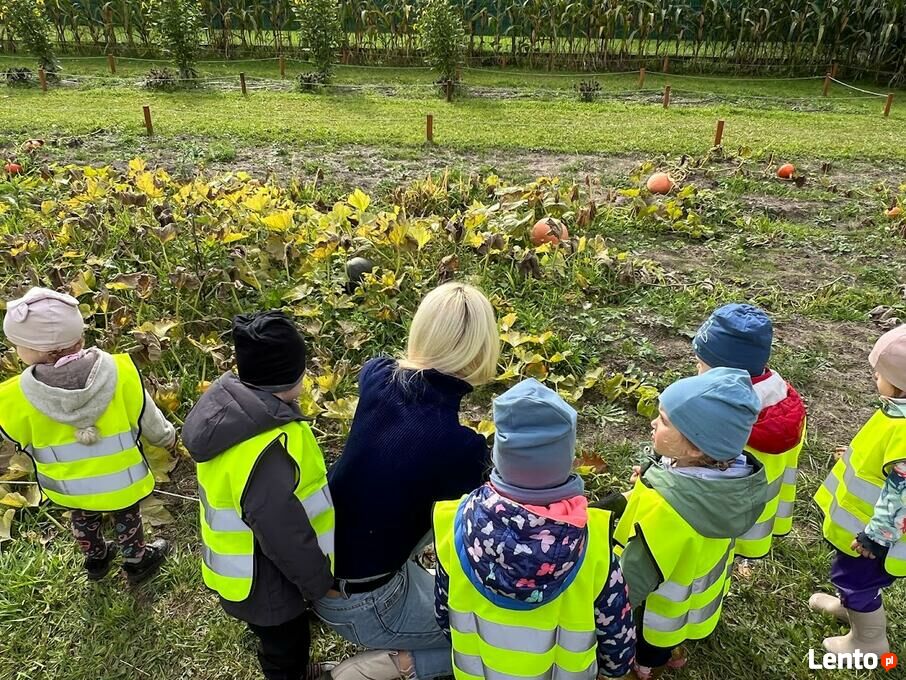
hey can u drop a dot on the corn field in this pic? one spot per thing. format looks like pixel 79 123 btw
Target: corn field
pixel 866 37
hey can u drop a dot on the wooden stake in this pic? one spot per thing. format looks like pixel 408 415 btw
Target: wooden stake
pixel 666 96
pixel 242 83
pixel 111 62
pixel 827 82
pixel 429 129
pixel 719 134
pixel 666 67
pixel 641 78
pixel 449 88
pixel 42 78
pixel 148 126
pixel 833 70
pixel 888 105
pixel 282 66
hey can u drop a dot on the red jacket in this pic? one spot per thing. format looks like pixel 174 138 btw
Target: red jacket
pixel 782 418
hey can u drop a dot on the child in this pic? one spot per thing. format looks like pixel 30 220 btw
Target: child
pixel 864 504
pixel 526 581
pixel 740 336
pixel 267 517
pixel 677 532
pixel 80 414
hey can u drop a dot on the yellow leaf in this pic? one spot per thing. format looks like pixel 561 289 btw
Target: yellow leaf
pixel 154 512
pixel 6 524
pixel 137 165
pixel 160 461
pixel 83 283
pixel 328 382
pixel 341 409
pixel 144 182
pixel 19 466
pixel 279 221
pixel 48 207
pixel 233 236
pixel 485 428
pixel 507 322
pixel 14 500
pixel 257 202
pixel 359 200
pixel 421 234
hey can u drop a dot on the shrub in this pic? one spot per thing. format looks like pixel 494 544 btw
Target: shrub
pixel 18 76
pixel 31 25
pixel 442 37
pixel 161 79
pixel 588 90
pixel 312 81
pixel 320 31
pixel 177 24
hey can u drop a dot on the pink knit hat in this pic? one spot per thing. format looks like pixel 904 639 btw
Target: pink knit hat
pixel 43 320
pixel 889 357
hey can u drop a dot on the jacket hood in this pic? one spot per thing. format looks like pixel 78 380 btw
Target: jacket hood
pixel 782 418
pixel 514 553
pixel 715 508
pixel 230 412
pixel 81 407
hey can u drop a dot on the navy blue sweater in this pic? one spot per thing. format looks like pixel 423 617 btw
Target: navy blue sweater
pixel 406 450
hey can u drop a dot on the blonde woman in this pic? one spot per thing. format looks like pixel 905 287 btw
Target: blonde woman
pixel 406 450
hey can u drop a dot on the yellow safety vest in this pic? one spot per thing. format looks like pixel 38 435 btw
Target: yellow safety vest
pixel 781 470
pixel 848 495
pixel 110 474
pixel 505 641
pixel 228 545
pixel 696 569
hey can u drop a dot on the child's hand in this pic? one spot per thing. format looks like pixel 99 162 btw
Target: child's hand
pixel 862 550
pixel 636 473
pixel 839 452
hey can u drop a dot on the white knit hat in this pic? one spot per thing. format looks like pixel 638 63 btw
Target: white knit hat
pixel 888 357
pixel 43 320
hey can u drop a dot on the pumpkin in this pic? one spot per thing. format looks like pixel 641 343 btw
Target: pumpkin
pixel 786 171
pixel 12 168
pixel 660 183
pixel 549 230
pixel 895 212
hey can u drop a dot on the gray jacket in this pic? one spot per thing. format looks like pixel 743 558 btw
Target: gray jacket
pixel 290 569
pixel 78 393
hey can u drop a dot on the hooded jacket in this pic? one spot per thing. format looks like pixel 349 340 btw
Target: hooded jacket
pixel 521 554
pixel 290 569
pixel 78 393
pixel 782 418
pixel 715 508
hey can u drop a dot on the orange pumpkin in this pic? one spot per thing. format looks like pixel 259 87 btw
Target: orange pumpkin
pixel 786 171
pixel 895 212
pixel 549 230
pixel 660 183
pixel 13 168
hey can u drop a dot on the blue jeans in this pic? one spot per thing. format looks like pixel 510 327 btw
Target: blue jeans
pixel 399 615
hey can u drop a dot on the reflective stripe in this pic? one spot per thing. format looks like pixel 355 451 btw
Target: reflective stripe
pixel 898 550
pixel 665 624
pixel 865 491
pixel 326 542
pixel 759 531
pixel 71 453
pixel 676 592
pixel 220 519
pixel 231 566
pixel 839 515
pixel 473 665
pixel 317 503
pixel 785 510
pixel 774 489
pixel 790 475
pixel 520 638
pixel 87 486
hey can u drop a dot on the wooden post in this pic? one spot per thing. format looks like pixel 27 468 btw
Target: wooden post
pixel 242 82
pixel 42 78
pixel 148 126
pixel 448 86
pixel 666 66
pixel 641 77
pixel 827 82
pixel 833 70
pixel 111 62
pixel 719 134
pixel 429 129
pixel 282 61
pixel 888 105
pixel 666 96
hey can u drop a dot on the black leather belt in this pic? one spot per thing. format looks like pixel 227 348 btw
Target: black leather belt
pixel 355 587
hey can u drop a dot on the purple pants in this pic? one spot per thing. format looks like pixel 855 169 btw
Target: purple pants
pixel 859 581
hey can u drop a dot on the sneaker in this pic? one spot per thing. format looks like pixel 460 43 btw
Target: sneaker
pixel 155 554
pixel 374 665
pixel 99 567
pixel 317 671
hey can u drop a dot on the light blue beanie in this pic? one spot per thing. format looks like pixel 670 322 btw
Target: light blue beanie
pixel 534 445
pixel 715 411
pixel 737 335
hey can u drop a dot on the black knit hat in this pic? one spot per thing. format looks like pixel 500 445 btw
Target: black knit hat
pixel 270 352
